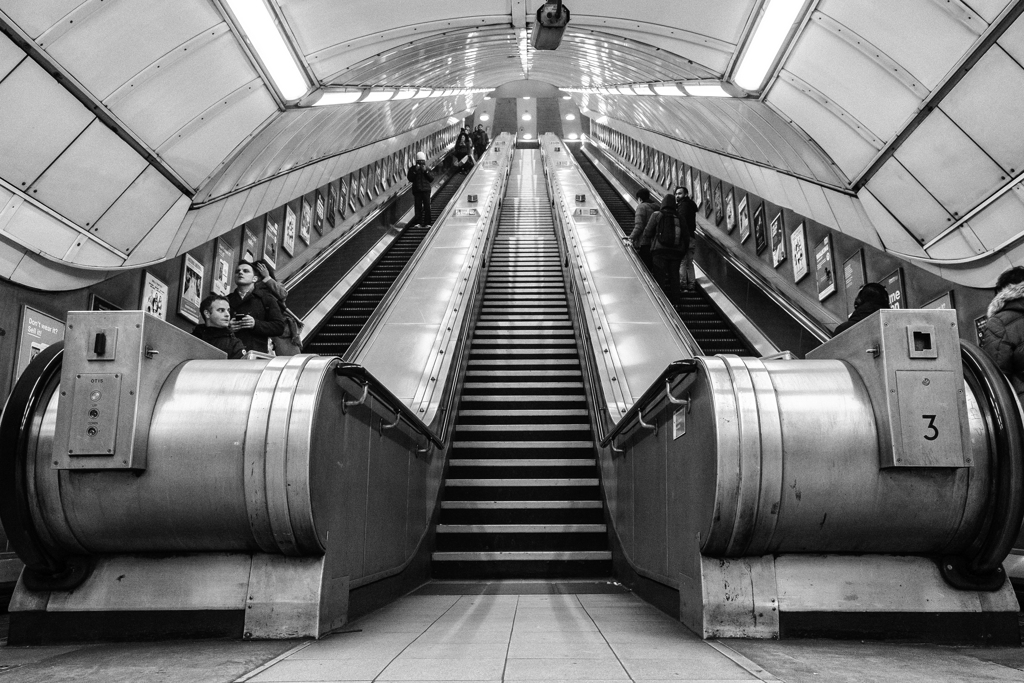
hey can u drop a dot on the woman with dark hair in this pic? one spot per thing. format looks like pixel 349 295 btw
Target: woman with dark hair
pixel 871 297
pixel 1003 338
pixel 289 343
pixel 668 244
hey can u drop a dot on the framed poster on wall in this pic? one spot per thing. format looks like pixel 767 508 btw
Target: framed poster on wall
pixel 343 191
pixel 760 229
pixel 893 283
pixel 854 277
pixel 744 219
pixel 689 183
pixel 270 242
pixel 730 212
pixel 941 302
pixel 221 268
pixel 154 295
pixel 698 194
pixel 305 221
pixel 191 293
pixel 708 201
pixel 719 205
pixel 798 247
pixel 778 234
pixel 250 245
pixel 332 203
pixel 37 331
pixel 288 239
pixel 320 210
pixel 979 327
pixel 825 268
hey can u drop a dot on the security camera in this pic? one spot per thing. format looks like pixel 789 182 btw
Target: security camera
pixel 552 18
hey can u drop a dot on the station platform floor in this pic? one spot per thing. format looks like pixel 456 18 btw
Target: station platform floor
pixel 514 631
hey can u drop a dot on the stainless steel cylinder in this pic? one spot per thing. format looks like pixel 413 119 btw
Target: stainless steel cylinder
pixel 790 463
pixel 234 461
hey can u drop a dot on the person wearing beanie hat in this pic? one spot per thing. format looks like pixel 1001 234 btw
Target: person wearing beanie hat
pixel 1003 337
pixel 421 178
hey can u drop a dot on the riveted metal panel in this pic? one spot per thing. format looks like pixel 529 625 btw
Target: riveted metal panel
pixel 1001 220
pixel 102 157
pixel 34 17
pixel 949 164
pixel 39 231
pixel 155 246
pixel 997 126
pixel 40 119
pixel 137 210
pixel 908 201
pixel 10 55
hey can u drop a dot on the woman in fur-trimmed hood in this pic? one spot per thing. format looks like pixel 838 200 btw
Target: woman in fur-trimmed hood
pixel 1003 338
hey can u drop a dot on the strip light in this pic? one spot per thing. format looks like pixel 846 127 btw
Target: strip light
pixel 768 39
pixel 705 91
pixel 334 97
pixel 259 27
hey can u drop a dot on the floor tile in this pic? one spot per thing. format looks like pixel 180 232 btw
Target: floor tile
pixel 321 670
pixel 564 669
pixel 708 666
pixel 403 669
pixel 568 649
pixel 421 650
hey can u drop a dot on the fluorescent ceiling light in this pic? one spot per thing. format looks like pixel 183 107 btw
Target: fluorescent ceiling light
pixel 573 136
pixel 261 30
pixel 643 90
pixel 379 95
pixel 485 117
pixel 670 90
pixel 527 117
pixel 570 117
pixel 705 91
pixel 763 47
pixel 423 92
pixel 332 98
pixel 568 97
pixel 405 94
pixel 527 136
pixel 527 97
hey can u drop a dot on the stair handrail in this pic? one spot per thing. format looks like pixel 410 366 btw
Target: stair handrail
pixel 372 385
pixel 634 416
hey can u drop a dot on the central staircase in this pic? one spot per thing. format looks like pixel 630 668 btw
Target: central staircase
pixel 522 496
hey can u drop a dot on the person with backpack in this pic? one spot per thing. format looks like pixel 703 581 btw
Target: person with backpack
pixel 668 245
pixel 687 210
pixel 646 208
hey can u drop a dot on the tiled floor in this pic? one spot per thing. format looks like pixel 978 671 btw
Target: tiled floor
pixel 614 637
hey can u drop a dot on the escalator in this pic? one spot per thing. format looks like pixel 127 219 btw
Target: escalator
pixel 522 496
pixel 711 329
pixel 348 318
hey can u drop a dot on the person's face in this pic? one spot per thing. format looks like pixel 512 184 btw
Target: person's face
pixel 244 275
pixel 679 196
pixel 219 314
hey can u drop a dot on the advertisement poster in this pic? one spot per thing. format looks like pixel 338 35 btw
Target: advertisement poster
pixel 38 330
pixel 698 195
pixel 222 269
pixel 825 268
pixel 798 247
pixel 744 216
pixel 191 293
pixel 853 278
pixel 319 213
pixel 689 184
pixel 707 197
pixel 893 284
pixel 288 242
pixel 942 302
pixel 719 208
pixel 730 212
pixel 343 198
pixel 979 327
pixel 270 243
pixel 250 245
pixel 154 296
pixel 760 230
pixel 778 240
pixel 305 221
pixel 332 203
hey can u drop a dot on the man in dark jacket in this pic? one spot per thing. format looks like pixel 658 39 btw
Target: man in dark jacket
pixel 215 329
pixel 421 179
pixel 255 315
pixel 668 244
pixel 480 141
pixel 1003 338
pixel 687 209
pixel 646 208
pixel 871 297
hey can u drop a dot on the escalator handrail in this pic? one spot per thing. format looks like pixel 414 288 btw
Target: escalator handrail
pixel 1007 497
pixel 806 319
pixel 362 376
pixel 679 368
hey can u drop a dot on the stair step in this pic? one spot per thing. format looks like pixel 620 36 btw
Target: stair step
pixel 525 462
pixel 522 528
pixel 568 555
pixel 522 482
pixel 521 505
pixel 522 444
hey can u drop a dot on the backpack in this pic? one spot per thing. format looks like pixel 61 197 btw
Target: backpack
pixel 667 230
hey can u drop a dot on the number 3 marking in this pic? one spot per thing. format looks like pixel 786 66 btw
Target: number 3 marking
pixel 931 425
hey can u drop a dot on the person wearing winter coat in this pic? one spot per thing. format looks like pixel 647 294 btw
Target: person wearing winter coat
pixel 871 297
pixel 480 141
pixel 289 343
pixel 421 178
pixel 687 210
pixel 215 329
pixel 1003 337
pixel 461 158
pixel 255 315
pixel 668 244
pixel 646 208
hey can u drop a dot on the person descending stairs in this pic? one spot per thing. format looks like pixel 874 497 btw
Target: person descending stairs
pixel 522 496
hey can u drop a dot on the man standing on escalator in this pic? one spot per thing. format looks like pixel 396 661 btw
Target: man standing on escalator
pixel 421 179
pixel 688 219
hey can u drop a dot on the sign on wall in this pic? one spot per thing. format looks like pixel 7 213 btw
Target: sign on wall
pixel 853 278
pixel 798 247
pixel 191 294
pixel 38 330
pixel 270 242
pixel 288 243
pixel 222 268
pixel 154 295
pixel 825 268
pixel 893 284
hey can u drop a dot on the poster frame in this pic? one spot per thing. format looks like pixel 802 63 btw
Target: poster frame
pixel 192 273
pixel 798 249
pixel 270 241
pixel 156 289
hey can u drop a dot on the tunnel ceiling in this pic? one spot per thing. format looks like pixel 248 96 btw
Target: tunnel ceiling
pixel 127 122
